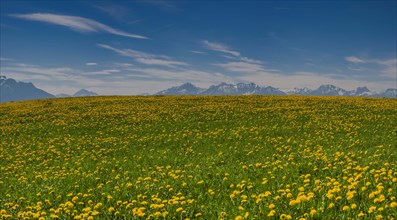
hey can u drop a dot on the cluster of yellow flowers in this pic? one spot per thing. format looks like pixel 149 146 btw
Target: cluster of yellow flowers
pixel 245 157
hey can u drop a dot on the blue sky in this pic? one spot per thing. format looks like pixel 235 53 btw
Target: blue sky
pixel 133 47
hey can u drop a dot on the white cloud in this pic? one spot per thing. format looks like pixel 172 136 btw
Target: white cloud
pixel 354 59
pixel 220 48
pixel 249 60
pixel 102 72
pixel 198 52
pixel 116 11
pixel 76 23
pixel 239 64
pixel 241 67
pixel 90 64
pixel 389 62
pixel 6 59
pixel 124 64
pixel 388 66
pixel 145 58
pixel 181 75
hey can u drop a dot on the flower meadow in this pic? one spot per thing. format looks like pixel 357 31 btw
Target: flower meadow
pixel 197 157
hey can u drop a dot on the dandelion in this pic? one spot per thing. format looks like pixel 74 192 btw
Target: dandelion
pixel 371 209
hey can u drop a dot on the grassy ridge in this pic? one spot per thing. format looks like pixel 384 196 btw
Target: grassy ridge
pixel 240 157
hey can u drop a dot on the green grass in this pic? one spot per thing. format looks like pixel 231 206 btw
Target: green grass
pixel 199 157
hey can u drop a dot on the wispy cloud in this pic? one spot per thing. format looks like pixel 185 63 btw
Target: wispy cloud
pixel 239 64
pixel 76 23
pixel 102 72
pixel 220 48
pixel 91 64
pixel 6 59
pixel 226 49
pixel 145 58
pixel 115 11
pixel 244 67
pixel 354 59
pixel 180 75
pixel 388 66
pixel 198 52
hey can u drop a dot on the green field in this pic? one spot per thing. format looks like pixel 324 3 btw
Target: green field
pixel 245 157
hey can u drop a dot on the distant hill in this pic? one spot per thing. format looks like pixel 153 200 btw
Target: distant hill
pixel 11 90
pixel 84 92
pixel 80 93
pixel 252 88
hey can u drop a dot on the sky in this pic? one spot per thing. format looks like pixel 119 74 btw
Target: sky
pixel 136 47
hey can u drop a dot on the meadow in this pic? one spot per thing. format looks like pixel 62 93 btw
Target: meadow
pixel 186 157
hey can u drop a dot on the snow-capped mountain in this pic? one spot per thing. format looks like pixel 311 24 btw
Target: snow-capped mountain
pixel 269 90
pixel 222 89
pixel 362 91
pixel 249 88
pixel 252 88
pixel 84 92
pixel 389 93
pixel 184 89
pixel 300 91
pixel 11 90
pixel 329 90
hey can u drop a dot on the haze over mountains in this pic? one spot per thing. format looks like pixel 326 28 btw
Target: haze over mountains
pixel 11 90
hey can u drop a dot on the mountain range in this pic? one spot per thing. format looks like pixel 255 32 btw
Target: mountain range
pixel 12 90
pixel 254 89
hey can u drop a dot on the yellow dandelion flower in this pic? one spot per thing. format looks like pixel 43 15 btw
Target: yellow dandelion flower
pixel 239 217
pixel 371 209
